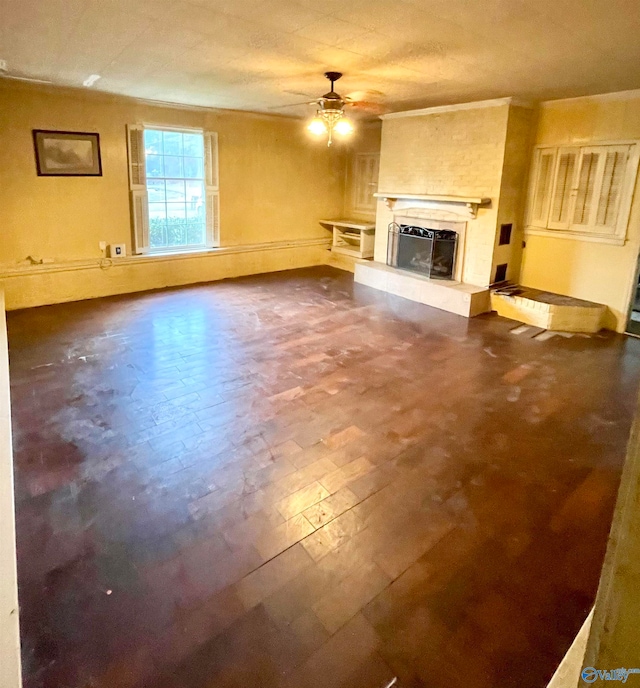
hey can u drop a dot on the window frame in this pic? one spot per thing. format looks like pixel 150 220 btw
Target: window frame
pixel 360 181
pixel 139 190
pixel 586 232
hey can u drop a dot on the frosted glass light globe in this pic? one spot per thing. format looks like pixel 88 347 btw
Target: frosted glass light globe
pixel 343 127
pixel 317 127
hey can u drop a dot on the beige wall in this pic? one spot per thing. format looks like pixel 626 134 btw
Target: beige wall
pixel 593 271
pixel 275 184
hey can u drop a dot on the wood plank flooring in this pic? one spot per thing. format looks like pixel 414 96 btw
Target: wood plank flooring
pixel 291 481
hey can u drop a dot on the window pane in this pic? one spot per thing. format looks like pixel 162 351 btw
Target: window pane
pixel 195 190
pixel 177 211
pixel 172 166
pixel 155 187
pixel 195 209
pixel 157 210
pixel 155 167
pixel 195 232
pixel 194 168
pixel 172 143
pixel 175 191
pixel 176 233
pixel 152 142
pixel 157 232
pixel 195 199
pixel 193 145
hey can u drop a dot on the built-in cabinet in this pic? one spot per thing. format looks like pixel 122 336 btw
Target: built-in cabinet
pixel 353 238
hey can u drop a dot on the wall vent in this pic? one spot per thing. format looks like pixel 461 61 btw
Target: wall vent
pixel 501 272
pixel 505 234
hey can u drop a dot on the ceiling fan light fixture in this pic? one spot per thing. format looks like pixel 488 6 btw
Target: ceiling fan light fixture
pixel 330 117
pixel 343 127
pixel 317 127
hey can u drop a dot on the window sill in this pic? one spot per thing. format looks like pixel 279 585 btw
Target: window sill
pixel 219 250
pixel 575 236
pixel 176 251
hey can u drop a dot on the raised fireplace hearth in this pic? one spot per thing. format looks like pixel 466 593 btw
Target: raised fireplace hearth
pixel 429 252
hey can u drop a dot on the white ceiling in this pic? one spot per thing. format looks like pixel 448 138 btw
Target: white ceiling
pixel 256 54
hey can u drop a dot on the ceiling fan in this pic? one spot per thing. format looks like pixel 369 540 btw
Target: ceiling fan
pixel 330 114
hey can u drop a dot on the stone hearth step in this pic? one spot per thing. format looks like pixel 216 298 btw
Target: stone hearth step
pixel 447 295
pixel 548 310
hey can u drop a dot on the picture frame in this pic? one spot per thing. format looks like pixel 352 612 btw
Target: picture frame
pixel 67 153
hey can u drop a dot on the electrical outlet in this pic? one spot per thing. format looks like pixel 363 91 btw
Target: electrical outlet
pixel 103 245
pixel 117 250
pixel 3 66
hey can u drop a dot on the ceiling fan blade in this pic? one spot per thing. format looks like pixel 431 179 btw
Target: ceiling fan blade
pixel 371 108
pixel 369 96
pixel 299 93
pixel 306 102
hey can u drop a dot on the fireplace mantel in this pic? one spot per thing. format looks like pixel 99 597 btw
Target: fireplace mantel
pixel 466 206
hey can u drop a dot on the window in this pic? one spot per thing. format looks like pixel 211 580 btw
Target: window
pixel 174 189
pixel 583 191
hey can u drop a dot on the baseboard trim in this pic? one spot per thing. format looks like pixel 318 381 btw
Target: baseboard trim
pixel 42 285
pixel 7 272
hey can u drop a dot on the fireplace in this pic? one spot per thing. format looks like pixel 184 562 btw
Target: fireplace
pixel 429 252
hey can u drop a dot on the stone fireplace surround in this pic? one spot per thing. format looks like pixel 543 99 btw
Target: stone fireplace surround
pixel 431 212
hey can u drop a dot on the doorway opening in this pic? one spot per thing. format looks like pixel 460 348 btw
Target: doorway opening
pixel 633 324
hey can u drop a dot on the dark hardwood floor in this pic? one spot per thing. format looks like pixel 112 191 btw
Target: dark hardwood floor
pixel 290 481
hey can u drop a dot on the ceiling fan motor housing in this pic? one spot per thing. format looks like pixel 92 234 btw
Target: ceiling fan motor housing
pixel 331 103
pixel 332 95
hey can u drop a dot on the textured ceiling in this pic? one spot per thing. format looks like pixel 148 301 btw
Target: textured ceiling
pixel 256 54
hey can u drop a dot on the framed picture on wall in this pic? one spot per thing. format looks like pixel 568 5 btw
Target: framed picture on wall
pixel 67 153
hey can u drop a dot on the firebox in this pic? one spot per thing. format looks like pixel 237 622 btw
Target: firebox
pixel 429 252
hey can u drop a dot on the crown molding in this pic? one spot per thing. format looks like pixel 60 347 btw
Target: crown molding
pixel 475 105
pixel 598 97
